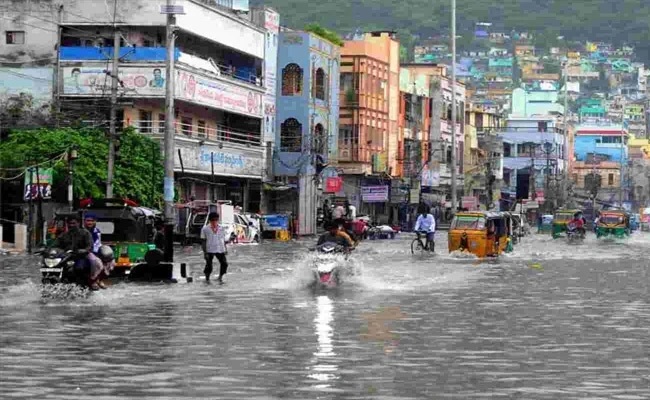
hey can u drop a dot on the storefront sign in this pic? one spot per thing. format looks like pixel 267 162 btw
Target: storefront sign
pixel 430 177
pixel 225 162
pixel 96 80
pixel 226 96
pixel 333 185
pixel 374 194
pixel 469 202
pixel 38 185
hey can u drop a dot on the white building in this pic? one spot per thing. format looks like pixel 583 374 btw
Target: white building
pixel 221 91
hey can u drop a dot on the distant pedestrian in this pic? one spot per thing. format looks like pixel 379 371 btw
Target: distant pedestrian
pixel 213 243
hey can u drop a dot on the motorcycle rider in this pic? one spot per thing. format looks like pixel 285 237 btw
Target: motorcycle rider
pixel 577 223
pixel 79 241
pixel 426 223
pixel 334 235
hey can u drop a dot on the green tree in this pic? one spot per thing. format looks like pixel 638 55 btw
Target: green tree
pixel 138 172
pixel 324 33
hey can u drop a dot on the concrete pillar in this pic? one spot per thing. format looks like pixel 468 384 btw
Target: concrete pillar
pixel 246 199
pixel 307 206
pixel 20 235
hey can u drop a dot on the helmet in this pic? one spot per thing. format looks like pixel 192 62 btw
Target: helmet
pixel 105 253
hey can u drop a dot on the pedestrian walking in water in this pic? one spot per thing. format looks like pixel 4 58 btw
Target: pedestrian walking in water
pixel 213 243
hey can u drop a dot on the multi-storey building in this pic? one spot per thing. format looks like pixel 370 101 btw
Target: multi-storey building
pixel 219 82
pixel 601 158
pixel 483 158
pixel 308 120
pixel 534 157
pixel 369 111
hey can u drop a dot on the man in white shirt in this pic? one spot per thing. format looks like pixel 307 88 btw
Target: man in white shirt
pixel 213 243
pixel 426 223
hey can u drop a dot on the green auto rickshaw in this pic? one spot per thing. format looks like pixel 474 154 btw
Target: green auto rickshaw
pixel 560 221
pixel 613 224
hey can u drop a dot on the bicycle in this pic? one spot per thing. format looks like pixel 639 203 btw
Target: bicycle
pixel 417 245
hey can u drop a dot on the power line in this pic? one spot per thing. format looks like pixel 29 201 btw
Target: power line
pixel 33 26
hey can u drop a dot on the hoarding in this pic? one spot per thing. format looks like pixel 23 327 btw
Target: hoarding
pixel 96 80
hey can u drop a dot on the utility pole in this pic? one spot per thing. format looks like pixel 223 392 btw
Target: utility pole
pixel 565 175
pixel 113 134
pixel 169 133
pixel 454 202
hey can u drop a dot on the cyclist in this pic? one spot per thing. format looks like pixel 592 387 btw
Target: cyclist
pixel 426 223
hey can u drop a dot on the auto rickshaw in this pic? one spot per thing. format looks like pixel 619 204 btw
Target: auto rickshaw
pixel 127 228
pixel 613 223
pixel 482 233
pixel 560 221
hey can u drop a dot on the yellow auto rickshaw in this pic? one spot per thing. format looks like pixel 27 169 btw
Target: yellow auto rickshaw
pixel 484 234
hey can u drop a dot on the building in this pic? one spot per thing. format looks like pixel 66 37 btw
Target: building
pixel 307 120
pixel 436 174
pixel 369 111
pixel 483 158
pixel 219 83
pixel 535 102
pixel 601 157
pixel 534 158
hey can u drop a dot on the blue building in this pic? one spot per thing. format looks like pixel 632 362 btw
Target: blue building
pixel 533 148
pixel 598 143
pixel 307 115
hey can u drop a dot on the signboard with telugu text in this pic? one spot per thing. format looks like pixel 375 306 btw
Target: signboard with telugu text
pixel 374 194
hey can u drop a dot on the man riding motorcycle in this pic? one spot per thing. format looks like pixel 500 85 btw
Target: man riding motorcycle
pixel 577 224
pixel 335 235
pixel 79 241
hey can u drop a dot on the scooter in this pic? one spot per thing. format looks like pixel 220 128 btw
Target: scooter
pixel 326 269
pixel 573 235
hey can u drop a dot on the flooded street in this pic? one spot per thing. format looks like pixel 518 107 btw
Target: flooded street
pixel 549 321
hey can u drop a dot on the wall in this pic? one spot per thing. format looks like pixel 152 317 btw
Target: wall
pixel 38 19
pixel 585 144
pixel 528 104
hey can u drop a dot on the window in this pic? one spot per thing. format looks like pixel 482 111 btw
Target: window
pixel 346 82
pixel 506 178
pixel 610 179
pixel 161 123
pixel 319 87
pixel 201 128
pixel 186 126
pixel 15 37
pixel 291 80
pixel 320 140
pixel 345 135
pixel 479 122
pixel 146 121
pixel 507 148
pixel 542 126
pixel 291 136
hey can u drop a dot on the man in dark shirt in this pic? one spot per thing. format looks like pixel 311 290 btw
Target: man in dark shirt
pixel 76 238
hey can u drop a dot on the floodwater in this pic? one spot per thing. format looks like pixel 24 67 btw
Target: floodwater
pixel 549 321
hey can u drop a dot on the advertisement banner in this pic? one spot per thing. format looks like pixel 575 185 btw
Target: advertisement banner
pixel 374 194
pixel 272 26
pixel 469 202
pixel 430 177
pixel 133 81
pixel 333 185
pixel 193 87
pixel 38 185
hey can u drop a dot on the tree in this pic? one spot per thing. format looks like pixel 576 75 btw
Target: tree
pixel 139 171
pixel 324 33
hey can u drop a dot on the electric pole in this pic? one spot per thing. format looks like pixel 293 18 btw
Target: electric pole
pixel 565 175
pixel 454 202
pixel 169 132
pixel 113 134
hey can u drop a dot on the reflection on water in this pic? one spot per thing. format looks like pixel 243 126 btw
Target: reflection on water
pixel 325 367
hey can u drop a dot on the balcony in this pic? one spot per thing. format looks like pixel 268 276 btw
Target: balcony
pixel 219 134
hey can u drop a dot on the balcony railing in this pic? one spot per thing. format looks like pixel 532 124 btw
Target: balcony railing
pixel 200 132
pixel 239 73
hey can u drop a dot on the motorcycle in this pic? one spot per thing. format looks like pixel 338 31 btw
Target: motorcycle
pixel 327 273
pixel 574 235
pixel 67 267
